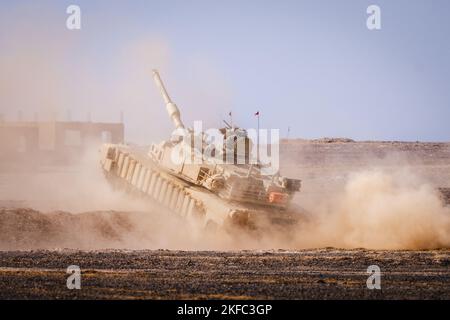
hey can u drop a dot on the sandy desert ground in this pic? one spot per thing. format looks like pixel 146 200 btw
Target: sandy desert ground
pixel 48 215
pixel 161 274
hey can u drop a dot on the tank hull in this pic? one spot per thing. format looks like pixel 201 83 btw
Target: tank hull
pixel 131 169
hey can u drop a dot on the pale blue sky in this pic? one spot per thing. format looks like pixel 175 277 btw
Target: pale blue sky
pixel 310 65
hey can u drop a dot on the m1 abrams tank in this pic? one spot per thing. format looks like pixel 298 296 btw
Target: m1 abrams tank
pixel 218 183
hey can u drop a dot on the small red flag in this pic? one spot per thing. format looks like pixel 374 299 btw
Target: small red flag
pixel 257 113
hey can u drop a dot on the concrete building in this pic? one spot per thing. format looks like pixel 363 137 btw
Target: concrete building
pixel 54 141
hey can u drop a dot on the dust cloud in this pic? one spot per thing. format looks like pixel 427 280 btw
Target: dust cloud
pixel 379 210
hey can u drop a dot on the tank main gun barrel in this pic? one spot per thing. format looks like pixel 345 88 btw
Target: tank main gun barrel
pixel 172 109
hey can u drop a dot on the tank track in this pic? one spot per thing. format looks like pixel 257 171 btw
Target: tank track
pixel 144 179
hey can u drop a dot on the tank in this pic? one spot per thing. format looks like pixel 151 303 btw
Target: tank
pixel 216 181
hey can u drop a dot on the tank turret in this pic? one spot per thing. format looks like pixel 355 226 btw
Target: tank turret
pixel 231 172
